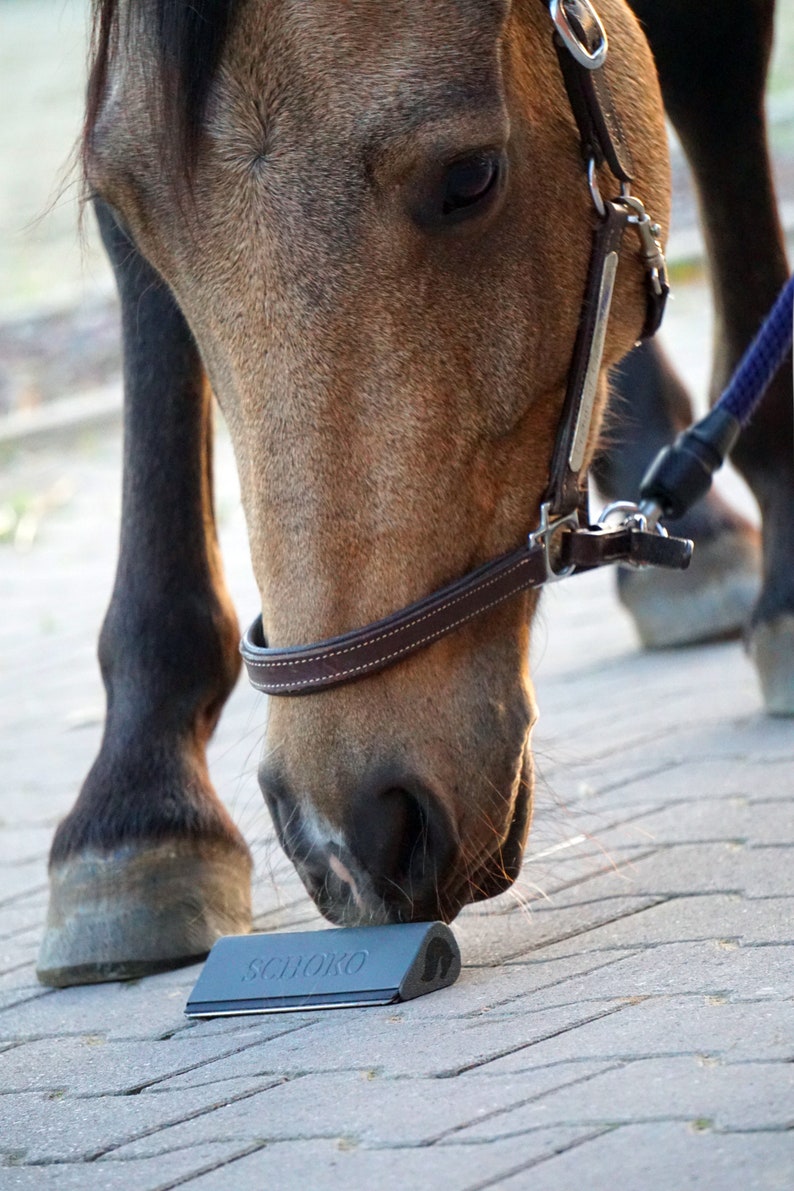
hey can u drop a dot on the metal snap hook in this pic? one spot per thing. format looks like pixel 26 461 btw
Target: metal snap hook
pixel 629 515
pixel 649 233
pixel 563 12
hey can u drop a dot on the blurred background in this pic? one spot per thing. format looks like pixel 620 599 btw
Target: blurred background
pixel 58 335
pixel 59 345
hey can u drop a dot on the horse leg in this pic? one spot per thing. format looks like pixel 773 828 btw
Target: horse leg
pixel 714 93
pixel 713 599
pixel 715 97
pixel 148 869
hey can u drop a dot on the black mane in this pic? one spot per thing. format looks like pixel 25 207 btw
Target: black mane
pixel 188 36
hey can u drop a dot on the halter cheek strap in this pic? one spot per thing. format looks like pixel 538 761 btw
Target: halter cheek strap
pixel 563 543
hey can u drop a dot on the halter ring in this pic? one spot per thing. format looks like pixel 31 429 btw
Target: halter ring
pixel 574 41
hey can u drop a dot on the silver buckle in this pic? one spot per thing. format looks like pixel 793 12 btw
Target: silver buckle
pixel 545 532
pixel 590 60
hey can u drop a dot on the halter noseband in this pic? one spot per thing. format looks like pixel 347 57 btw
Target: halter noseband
pixel 563 543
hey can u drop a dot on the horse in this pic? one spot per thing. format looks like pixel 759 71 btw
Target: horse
pixel 366 227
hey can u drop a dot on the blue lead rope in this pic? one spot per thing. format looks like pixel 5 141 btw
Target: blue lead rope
pixel 681 474
pixel 760 363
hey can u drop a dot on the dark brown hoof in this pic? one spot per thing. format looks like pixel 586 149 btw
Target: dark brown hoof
pixel 711 601
pixel 771 646
pixel 124 914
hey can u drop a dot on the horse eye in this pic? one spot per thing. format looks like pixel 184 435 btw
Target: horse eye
pixel 467 183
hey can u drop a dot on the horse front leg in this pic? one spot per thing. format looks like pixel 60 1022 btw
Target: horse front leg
pixel 713 66
pixel 148 869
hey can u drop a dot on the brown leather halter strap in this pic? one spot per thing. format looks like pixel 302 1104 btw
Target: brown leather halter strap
pixel 563 544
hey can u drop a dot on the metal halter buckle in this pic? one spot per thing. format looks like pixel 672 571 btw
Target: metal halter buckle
pixel 542 536
pixel 577 47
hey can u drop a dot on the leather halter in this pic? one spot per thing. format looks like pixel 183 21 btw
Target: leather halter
pixel 563 543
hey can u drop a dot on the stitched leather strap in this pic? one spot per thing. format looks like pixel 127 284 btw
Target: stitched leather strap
pixel 301 669
pixel 297 669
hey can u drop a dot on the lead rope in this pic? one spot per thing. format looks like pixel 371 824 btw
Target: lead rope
pixel 682 473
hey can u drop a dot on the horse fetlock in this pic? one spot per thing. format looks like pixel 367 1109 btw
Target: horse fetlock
pixel 141 908
pixel 771 647
pixel 711 601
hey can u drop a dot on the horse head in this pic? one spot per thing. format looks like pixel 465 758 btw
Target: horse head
pixel 379 235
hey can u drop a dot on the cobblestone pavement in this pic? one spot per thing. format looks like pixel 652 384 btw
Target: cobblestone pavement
pixel 627 1013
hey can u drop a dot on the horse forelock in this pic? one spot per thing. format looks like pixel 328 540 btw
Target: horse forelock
pixel 187 38
pixel 185 42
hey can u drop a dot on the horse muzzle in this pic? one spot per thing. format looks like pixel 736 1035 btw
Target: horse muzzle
pixel 399 856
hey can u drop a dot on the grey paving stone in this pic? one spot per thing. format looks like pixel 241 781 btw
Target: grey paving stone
pixel 767 871
pixel 23 914
pixel 707 968
pixel 391 1043
pixel 738 768
pixel 698 1026
pixel 614 716
pixel 539 975
pixel 20 995
pixel 144 1174
pixel 247 1026
pixel 491 939
pixel 666 1155
pixel 694 820
pixel 359 1105
pixel 23 879
pixel 21 974
pixel 712 868
pixel 40 1128
pixel 24 845
pixel 705 916
pixel 707 819
pixel 773 822
pixel 579 901
pixel 749 762
pixel 145 1009
pixel 330 1165
pixel 91 1065
pixel 736 1096
pixel 16 952
pixel 593 849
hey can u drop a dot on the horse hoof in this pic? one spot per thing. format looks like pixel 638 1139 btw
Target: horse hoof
pixel 771 646
pixel 124 914
pixel 710 601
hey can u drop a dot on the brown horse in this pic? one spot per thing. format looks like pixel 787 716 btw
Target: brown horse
pixel 366 224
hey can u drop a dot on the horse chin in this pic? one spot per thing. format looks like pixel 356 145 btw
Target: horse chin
pixel 503 867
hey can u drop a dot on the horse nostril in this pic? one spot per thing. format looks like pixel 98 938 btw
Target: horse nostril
pixel 405 842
